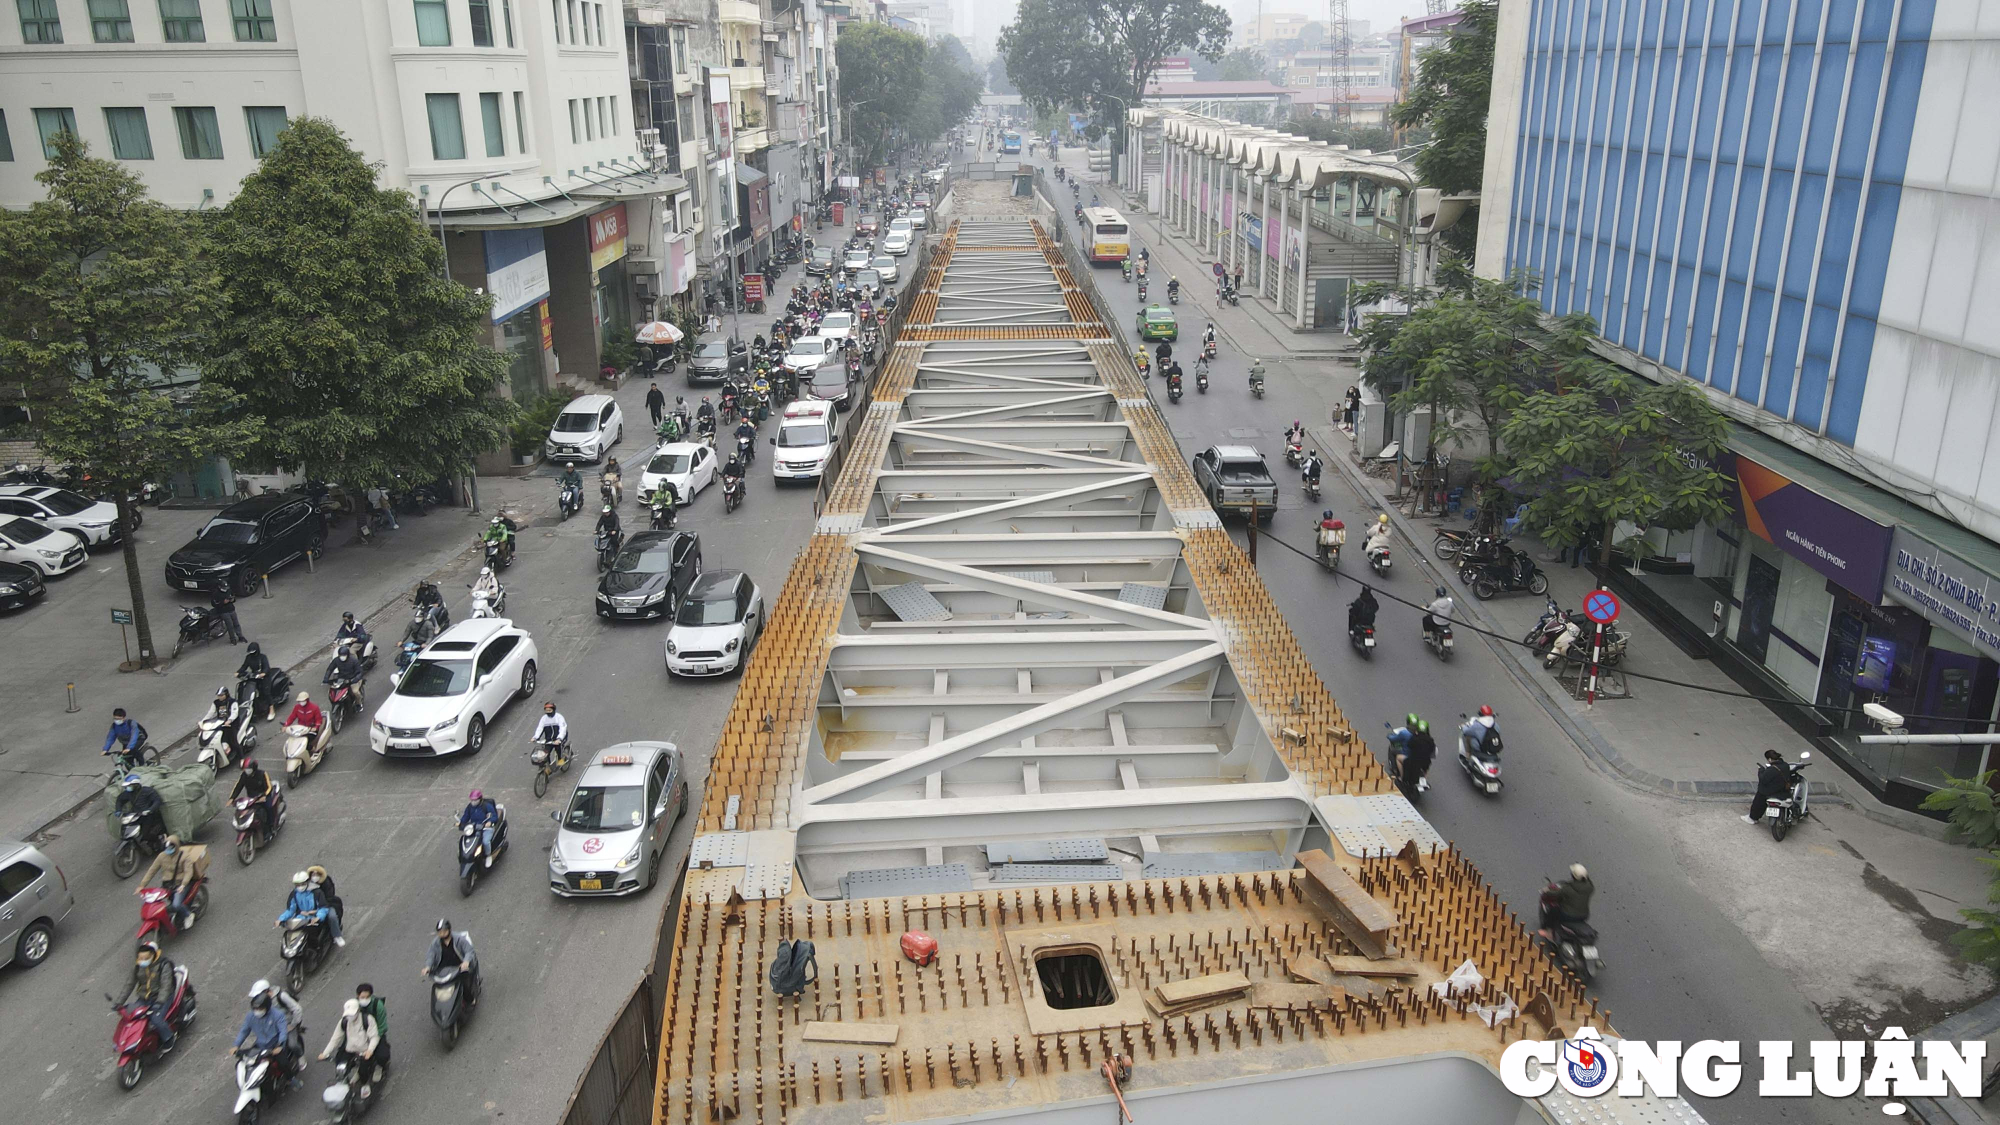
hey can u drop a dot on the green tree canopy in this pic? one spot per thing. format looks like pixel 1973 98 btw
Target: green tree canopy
pixel 339 328
pixel 1097 53
pixel 106 296
pixel 1244 64
pixel 1448 101
pixel 881 86
pixel 997 81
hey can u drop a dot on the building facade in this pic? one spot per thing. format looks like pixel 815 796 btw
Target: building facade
pixel 508 121
pixel 1788 204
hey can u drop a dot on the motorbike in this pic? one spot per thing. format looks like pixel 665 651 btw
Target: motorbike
pixel 1379 561
pixel 198 623
pixel 1201 379
pixel 214 750
pixel 1142 290
pixel 1312 488
pixel 1229 294
pixel 351 1094
pixel 611 487
pixel 1398 759
pixel 1295 452
pixel 305 747
pixel 548 759
pixel 1573 944
pixel 497 554
pixel 1173 390
pixel 1362 637
pixel 570 500
pixel 156 915
pixel 305 947
pixel 1126 269
pixel 406 653
pixel 662 516
pixel 257 826
pixel 264 692
pixel 474 860
pixel 134 844
pixel 1785 811
pixel 1510 571
pixel 1208 349
pixel 1331 538
pixel 1576 638
pixel 261 1080
pixel 607 549
pixel 1173 295
pixel 732 493
pixel 488 605
pixel 342 697
pixel 1257 385
pixel 1480 761
pixel 1438 640
pixel 746 449
pixel 452 993
pixel 134 1038
pixel 1546 629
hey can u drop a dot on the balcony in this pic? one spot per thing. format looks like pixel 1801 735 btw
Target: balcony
pixel 751 140
pixel 746 79
pixel 741 11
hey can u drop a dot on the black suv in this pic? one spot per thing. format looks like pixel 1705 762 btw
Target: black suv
pixel 247 539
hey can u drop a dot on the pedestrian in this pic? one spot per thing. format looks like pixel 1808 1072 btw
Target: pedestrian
pixel 656 404
pixel 1353 405
pixel 378 502
pixel 1238 276
pixel 224 603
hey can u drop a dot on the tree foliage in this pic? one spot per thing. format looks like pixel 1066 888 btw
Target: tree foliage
pixel 1970 809
pixel 1449 99
pixel 1244 64
pixel 338 327
pixel 106 296
pixel 951 87
pixel 1371 137
pixel 881 85
pixel 997 81
pixel 1097 53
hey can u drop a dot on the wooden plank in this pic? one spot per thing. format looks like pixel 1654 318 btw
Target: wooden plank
pixel 873 1034
pixel 1195 988
pixel 1361 919
pixel 1297 995
pixel 1309 970
pixel 1363 967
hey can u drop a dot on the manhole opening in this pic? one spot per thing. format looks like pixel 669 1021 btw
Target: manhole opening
pixel 1074 977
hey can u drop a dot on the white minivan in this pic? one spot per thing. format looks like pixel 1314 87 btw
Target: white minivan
pixel 805 440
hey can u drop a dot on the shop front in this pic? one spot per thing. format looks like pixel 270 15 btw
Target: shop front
pixel 610 233
pixel 517 274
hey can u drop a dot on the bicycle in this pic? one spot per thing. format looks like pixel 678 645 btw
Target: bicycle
pixel 548 764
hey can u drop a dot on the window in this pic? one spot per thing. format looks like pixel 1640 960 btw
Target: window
pixel 603 117
pixel 489 116
pixel 614 115
pixel 520 123
pixel 685 107
pixel 181 20
pixel 481 12
pixel 589 121
pixel 575 126
pixel 201 137
pixel 433 24
pixel 572 21
pixel 253 22
pixel 17 878
pixel 680 49
pixel 555 13
pixel 447 129
pixel 40 22
pixel 51 123
pixel 265 122
pixel 507 19
pixel 110 21
pixel 129 137
pixel 6 139
pixel 601 40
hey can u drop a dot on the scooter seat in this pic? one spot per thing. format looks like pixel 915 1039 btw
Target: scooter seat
pixel 1583 932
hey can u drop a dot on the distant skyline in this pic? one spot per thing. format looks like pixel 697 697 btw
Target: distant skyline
pixel 979 21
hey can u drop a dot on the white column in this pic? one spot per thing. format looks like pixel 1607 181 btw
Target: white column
pixel 1235 220
pixel 1354 201
pixel 1263 256
pixel 1284 243
pixel 1305 246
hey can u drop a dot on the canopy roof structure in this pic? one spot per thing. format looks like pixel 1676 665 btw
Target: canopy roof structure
pixel 1284 158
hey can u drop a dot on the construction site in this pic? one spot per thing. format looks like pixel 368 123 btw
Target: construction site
pixel 1032 759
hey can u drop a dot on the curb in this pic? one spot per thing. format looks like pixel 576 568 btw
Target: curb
pixel 1595 747
pixel 177 746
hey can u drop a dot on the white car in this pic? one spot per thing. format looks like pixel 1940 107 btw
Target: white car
pixel 808 354
pixel 934 176
pixel 898 242
pixel 886 266
pixel 855 260
pixel 837 325
pixel 903 224
pixel 95 520
pixel 920 218
pixel 716 624
pixel 804 442
pixel 33 543
pixel 455 687
pixel 688 466
pixel 586 430
pixel 612 837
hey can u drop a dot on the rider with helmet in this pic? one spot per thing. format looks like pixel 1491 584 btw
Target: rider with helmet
pixel 305 713
pixel 1438 612
pixel 553 731
pixel 305 902
pixel 500 530
pixel 153 986
pixel 254 782
pixel 487 585
pixel 226 708
pixel 481 812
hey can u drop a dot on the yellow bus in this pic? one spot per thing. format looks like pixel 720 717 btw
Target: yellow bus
pixel 1108 235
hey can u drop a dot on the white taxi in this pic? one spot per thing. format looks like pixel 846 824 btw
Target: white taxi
pixel 611 839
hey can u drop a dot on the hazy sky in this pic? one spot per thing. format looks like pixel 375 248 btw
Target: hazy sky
pixel 983 18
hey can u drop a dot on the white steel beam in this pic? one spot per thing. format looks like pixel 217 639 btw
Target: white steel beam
pixel 1026 505
pixel 1034 593
pixel 1171 810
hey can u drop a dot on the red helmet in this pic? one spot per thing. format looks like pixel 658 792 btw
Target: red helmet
pixel 1486 710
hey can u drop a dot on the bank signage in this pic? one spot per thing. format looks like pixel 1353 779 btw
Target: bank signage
pixel 517 270
pixel 1951 593
pixel 607 236
pixel 1847 547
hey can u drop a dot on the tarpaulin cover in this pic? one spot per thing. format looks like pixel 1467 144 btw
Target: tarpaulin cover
pixel 187 797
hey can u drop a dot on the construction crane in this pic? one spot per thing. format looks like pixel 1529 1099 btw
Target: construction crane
pixel 1338 44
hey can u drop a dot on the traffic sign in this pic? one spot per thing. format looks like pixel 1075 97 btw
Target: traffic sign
pixel 121 617
pixel 1601 606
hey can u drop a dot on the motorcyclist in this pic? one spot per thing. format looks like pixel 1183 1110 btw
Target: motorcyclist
pixel 1379 537
pixel 553 731
pixel 706 411
pixel 126 734
pixel 153 986
pixel 177 866
pixel 487 584
pixel 225 708
pixel 1174 287
pixel 268 1027
pixel 1482 730
pixel 1361 611
pixel 1332 536
pixel 256 666
pixel 1140 360
pixel 303 903
pixel 350 630
pixel 141 800
pixel 377 1007
pixel 322 886
pixel 430 599
pixel 570 479
pixel 305 713
pixel 453 950
pixel 1125 266
pixel 1774 779
pixel 608 526
pixel 345 667
pixel 1309 469
pixel 746 439
pixel 664 494
pixel 1419 752
pixel 483 813
pixel 1572 901
pixel 1163 353
pixel 355 1035
pixel 254 782
pixel 1256 373
pixel 500 530
pixel 1440 608
pixel 1208 337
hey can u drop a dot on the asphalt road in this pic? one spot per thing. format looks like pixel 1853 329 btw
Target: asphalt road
pixel 1677 966
pixel 556 969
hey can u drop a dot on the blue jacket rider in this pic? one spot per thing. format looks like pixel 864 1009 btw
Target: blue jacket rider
pixel 482 812
pixel 305 902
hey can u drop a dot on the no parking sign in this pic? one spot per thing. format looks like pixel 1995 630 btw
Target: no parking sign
pixel 1601 606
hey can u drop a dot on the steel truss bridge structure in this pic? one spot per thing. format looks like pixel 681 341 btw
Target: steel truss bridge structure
pixel 1023 693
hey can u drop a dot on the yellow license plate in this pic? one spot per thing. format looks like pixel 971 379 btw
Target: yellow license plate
pixel 590 884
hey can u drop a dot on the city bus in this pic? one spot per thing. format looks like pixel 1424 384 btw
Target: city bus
pixel 1010 141
pixel 1107 235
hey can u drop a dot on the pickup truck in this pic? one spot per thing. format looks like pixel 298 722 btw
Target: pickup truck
pixel 1235 477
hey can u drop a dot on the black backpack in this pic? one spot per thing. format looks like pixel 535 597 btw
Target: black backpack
pixel 788 968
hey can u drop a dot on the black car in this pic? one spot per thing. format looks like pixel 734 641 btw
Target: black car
pixel 819 263
pixel 650 576
pixel 715 362
pixel 248 539
pixel 19 585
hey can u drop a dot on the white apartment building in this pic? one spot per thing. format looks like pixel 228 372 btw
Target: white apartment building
pixel 508 121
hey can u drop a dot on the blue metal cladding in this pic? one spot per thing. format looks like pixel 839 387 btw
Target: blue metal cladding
pixel 1717 182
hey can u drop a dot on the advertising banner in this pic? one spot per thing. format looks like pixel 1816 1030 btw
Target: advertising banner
pixel 1253 232
pixel 548 328
pixel 718 104
pixel 607 236
pixel 1952 593
pixel 517 270
pixel 1848 548
pixel 680 264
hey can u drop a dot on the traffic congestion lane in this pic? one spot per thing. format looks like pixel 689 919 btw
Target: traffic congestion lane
pixel 557 969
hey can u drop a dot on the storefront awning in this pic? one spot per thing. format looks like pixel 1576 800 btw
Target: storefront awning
pixel 580 197
pixel 747 175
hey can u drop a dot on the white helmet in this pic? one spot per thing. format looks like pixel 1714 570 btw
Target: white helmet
pixel 298 878
pixel 485 572
pixel 305 696
pixel 1576 871
pixel 259 989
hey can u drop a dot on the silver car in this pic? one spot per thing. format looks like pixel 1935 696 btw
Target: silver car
pixel 34 899
pixel 612 838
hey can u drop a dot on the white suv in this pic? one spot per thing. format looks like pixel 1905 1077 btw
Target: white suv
pixel 453 690
pixel 805 441
pixel 586 430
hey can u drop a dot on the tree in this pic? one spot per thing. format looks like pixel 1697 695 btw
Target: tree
pixel 1596 445
pixel 1102 54
pixel 950 90
pixel 1244 64
pixel 106 295
pixel 339 328
pixel 881 85
pixel 1449 99
pixel 997 81
pixel 1974 818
